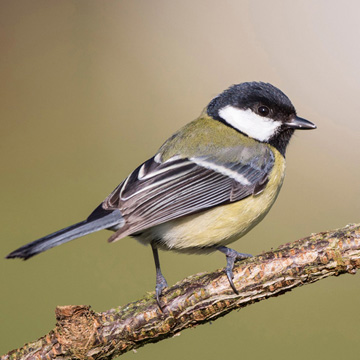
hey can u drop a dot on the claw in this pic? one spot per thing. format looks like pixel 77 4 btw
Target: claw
pixel 161 283
pixel 231 257
pixel 229 272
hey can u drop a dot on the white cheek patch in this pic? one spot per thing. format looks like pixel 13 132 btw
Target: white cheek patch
pixel 249 123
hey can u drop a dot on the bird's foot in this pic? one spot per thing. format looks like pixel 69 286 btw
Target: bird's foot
pixel 231 257
pixel 161 284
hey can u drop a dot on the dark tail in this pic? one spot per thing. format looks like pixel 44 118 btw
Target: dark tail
pixel 98 220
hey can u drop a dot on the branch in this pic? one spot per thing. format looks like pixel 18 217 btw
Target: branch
pixel 80 333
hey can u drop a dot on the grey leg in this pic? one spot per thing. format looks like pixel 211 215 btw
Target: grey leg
pixel 161 283
pixel 231 257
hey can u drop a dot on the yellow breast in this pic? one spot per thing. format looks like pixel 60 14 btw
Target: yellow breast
pixel 220 225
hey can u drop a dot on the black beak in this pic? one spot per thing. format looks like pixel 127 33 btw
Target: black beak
pixel 299 123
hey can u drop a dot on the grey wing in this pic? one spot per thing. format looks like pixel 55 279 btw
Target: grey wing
pixel 157 192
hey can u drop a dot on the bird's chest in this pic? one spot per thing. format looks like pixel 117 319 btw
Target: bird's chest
pixel 220 225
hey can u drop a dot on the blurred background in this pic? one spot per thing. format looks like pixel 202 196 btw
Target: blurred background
pixel 90 89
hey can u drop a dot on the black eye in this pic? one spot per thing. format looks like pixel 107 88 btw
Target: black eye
pixel 263 110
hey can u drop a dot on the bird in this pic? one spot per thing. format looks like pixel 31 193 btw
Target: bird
pixel 207 186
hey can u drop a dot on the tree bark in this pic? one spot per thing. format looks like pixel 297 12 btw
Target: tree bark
pixel 81 333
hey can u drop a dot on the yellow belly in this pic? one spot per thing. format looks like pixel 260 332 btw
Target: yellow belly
pixel 220 225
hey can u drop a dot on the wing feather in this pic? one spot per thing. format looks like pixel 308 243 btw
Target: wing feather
pixel 157 192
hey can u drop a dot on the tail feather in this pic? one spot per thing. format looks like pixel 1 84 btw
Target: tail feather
pixel 88 226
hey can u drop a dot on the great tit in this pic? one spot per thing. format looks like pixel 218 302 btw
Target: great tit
pixel 207 186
